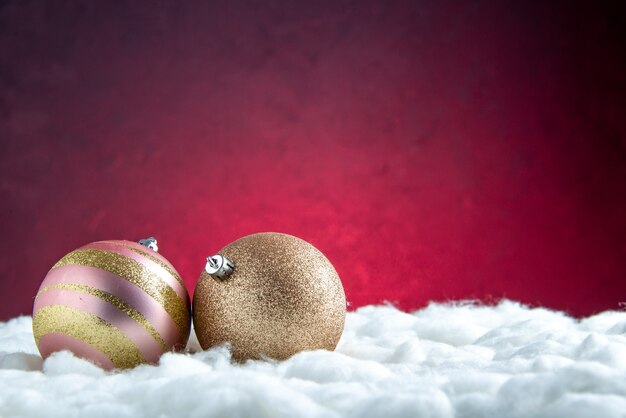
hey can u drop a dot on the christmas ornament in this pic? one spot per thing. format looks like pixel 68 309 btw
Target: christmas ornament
pixel 269 295
pixel 116 303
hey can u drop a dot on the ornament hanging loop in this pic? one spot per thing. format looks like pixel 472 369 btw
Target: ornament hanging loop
pixel 150 243
pixel 219 267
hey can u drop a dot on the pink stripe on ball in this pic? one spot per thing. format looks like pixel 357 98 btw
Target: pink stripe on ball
pixel 114 247
pixel 140 247
pixel 85 302
pixel 53 342
pixel 126 291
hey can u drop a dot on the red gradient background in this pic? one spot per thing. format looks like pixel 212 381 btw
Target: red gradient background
pixel 432 150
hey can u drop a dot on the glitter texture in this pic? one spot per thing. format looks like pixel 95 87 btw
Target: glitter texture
pixel 139 275
pixel 88 328
pixel 283 297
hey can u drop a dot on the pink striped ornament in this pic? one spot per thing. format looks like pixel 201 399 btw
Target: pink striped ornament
pixel 115 303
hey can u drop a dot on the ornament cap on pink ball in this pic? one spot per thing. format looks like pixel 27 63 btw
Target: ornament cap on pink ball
pixel 116 303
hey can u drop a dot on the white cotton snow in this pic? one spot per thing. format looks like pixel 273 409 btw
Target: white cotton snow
pixel 447 360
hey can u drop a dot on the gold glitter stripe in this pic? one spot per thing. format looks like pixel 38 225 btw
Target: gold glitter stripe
pixel 87 327
pixel 151 257
pixel 159 262
pixel 113 300
pixel 139 275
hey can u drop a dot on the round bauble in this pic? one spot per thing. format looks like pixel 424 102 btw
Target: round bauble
pixel 116 303
pixel 269 295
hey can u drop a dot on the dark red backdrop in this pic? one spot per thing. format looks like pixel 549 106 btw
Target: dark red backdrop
pixel 433 151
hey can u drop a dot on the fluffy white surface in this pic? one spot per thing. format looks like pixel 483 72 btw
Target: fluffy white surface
pixel 442 361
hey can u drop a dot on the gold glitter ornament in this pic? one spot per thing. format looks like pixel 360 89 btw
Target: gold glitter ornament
pixel 269 295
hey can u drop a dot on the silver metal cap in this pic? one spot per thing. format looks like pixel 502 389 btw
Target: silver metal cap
pixel 219 267
pixel 150 243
